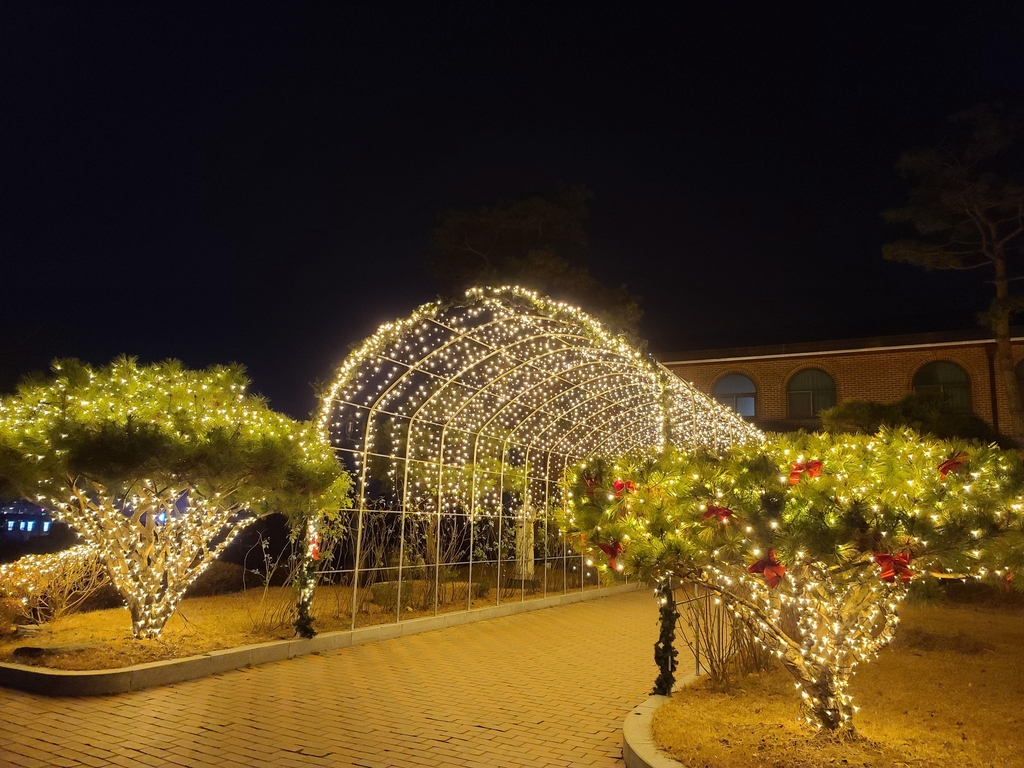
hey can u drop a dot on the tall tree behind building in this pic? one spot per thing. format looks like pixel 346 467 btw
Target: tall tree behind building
pixel 539 243
pixel 965 206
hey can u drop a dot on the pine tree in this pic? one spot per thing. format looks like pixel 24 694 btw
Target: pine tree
pixel 159 467
pixel 966 212
pixel 833 528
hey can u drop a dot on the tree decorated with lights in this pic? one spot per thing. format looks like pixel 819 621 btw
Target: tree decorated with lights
pixel 159 467
pixel 831 529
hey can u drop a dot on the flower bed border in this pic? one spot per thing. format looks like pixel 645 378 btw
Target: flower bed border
pixel 99 682
pixel 638 747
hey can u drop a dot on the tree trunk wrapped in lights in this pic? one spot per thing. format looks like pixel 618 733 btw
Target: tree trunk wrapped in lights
pixel 843 619
pixel 154 545
pixel 159 468
pixel 829 528
pixel 665 652
pixel 306 576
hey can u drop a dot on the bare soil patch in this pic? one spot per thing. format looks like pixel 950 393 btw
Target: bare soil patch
pixel 949 692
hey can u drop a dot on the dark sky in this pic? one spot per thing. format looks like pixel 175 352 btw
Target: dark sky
pixel 238 182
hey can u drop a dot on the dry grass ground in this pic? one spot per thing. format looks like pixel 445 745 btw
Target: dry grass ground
pixel 102 639
pixel 949 693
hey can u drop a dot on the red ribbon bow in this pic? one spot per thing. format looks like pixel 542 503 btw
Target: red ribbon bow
pixel 952 464
pixel 772 570
pixel 812 468
pixel 613 550
pixel 895 566
pixel 314 547
pixel 722 513
pixel 592 484
pixel 623 485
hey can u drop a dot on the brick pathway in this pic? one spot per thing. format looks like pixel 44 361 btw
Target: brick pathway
pixel 546 688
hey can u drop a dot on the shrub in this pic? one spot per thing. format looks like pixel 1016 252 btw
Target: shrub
pixel 42 588
pixel 10 615
pixel 720 643
pixel 482 588
pixel 218 579
pixel 274 609
pixel 385 594
pixel 927 414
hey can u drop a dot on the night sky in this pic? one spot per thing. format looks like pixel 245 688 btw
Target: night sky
pixel 255 183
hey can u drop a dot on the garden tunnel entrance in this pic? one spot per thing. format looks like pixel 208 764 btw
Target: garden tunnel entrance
pixel 457 424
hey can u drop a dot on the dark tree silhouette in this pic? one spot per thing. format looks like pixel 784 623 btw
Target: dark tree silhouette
pixel 539 243
pixel 966 209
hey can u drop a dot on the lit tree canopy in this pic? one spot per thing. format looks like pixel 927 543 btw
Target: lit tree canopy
pixel 159 467
pixel 810 541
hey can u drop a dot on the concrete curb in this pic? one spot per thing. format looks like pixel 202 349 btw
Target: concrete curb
pixel 61 682
pixel 638 747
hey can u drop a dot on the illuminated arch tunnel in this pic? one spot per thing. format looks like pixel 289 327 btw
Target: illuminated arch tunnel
pixel 457 424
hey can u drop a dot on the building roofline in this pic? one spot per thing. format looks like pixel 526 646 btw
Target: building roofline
pixel 840 347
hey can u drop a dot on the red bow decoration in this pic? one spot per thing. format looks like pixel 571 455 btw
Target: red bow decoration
pixel 613 550
pixel 314 547
pixel 592 484
pixel 895 566
pixel 722 513
pixel 623 485
pixel 952 464
pixel 772 570
pixel 812 468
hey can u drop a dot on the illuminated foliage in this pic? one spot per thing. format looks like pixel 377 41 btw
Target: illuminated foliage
pixel 159 467
pixel 826 529
pixel 45 587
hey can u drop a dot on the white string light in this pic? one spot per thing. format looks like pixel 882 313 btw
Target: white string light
pixel 466 404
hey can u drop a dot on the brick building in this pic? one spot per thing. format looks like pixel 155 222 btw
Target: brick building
pixel 784 387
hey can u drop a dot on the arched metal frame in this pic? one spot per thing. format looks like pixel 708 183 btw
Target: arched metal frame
pixel 468 413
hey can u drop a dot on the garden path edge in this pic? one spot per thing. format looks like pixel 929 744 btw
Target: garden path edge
pixel 100 682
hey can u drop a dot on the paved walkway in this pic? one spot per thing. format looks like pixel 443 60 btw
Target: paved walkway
pixel 545 688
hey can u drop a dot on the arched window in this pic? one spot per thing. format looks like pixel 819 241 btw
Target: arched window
pixel 809 393
pixel 947 380
pixel 738 392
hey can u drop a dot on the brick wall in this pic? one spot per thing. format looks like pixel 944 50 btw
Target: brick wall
pixel 862 374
